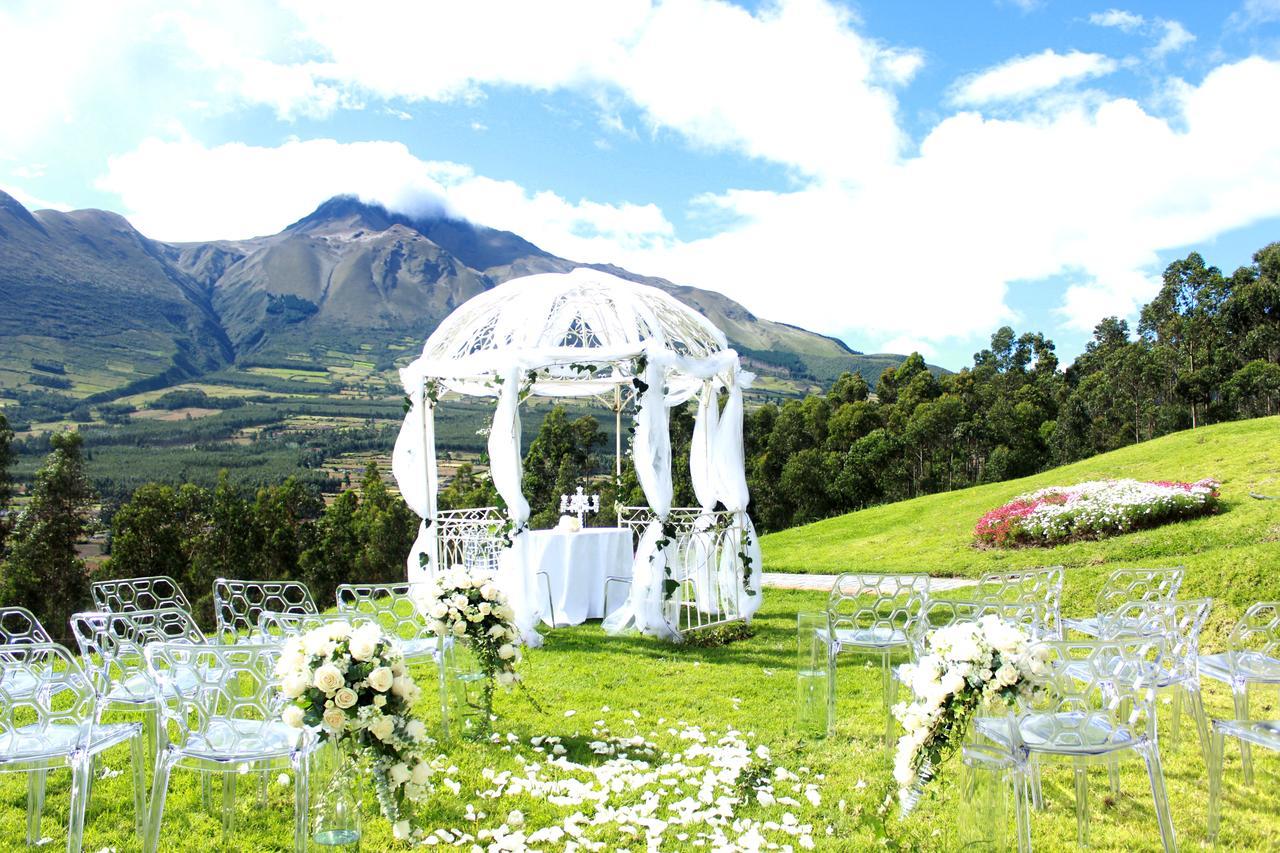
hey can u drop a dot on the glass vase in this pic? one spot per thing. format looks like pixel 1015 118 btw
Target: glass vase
pixel 986 785
pixel 335 786
pixel 813 674
pixel 468 691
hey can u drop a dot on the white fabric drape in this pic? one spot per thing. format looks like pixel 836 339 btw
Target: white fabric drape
pixel 731 488
pixel 413 463
pixel 647 609
pixel 506 466
pixel 702 468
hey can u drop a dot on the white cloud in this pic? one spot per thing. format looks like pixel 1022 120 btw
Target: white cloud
pixel 1254 12
pixel 1026 76
pixel 922 253
pixel 32 202
pixel 1118 18
pixel 1170 35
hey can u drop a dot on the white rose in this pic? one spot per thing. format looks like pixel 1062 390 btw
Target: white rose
pixel 439 610
pixel 328 678
pixel 382 727
pixel 294 686
pixel 399 773
pixel 458 601
pixel 489 592
pixel 339 630
pixel 506 651
pixel 400 687
pixel 459 628
pixel 379 701
pixel 416 730
pixel 345 698
pixel 421 773
pixel 292 716
pixel 335 719
pixel 497 631
pixel 439 628
pixel 381 679
pixel 364 643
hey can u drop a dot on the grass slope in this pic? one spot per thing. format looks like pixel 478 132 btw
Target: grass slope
pixel 1233 557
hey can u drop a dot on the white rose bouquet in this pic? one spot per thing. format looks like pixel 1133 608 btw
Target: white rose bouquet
pixel 965 665
pixel 472 607
pixel 352 682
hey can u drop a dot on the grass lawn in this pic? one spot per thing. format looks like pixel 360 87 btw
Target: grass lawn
pixel 661 693
pixel 1233 557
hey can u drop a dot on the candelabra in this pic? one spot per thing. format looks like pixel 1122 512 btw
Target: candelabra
pixel 579 503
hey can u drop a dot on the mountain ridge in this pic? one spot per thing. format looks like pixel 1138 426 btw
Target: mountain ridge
pixel 86 288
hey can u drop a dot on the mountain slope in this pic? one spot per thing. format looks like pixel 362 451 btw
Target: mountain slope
pixel 86 291
pixel 1233 557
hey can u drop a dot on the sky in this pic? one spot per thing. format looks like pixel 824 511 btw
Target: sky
pixel 901 175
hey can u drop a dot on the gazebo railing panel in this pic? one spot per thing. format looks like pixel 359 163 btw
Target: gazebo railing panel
pixel 469 538
pixel 703 559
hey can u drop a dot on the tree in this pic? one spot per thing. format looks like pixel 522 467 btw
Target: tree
pixel 385 528
pixel 44 571
pixel 561 457
pixel 1255 389
pixel 155 532
pixel 227 546
pixel 332 558
pixel 282 517
pixel 7 457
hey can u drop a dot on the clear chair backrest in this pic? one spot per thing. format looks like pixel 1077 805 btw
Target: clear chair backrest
pixel 1179 621
pixel 237 604
pixel 20 625
pixel 224 695
pixel 1255 640
pixel 111 646
pixel 1125 585
pixel 42 686
pixel 1093 694
pixel 469 538
pixel 278 627
pixel 882 604
pixel 942 613
pixel 146 593
pixel 392 605
pixel 1026 586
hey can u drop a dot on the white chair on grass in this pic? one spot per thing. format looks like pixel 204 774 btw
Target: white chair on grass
pixel 54 725
pixel 1252 657
pixel 1094 704
pixel 225 719
pixel 874 614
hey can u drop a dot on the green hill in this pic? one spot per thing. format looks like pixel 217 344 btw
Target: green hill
pixel 1233 557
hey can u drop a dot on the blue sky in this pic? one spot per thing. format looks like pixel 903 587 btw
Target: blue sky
pixel 899 174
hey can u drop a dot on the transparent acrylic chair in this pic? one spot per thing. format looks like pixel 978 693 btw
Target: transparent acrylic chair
pixel 874 614
pixel 1094 701
pixel 1041 587
pixel 146 593
pixel 226 719
pixel 20 625
pixel 275 628
pixel 55 725
pixel 393 606
pixel 1252 657
pixel 237 604
pixel 1123 586
pixel 1264 733
pixel 111 648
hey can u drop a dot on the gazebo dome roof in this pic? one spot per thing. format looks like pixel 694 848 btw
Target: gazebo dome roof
pixel 554 316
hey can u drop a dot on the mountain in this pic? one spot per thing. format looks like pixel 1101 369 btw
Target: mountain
pixel 94 307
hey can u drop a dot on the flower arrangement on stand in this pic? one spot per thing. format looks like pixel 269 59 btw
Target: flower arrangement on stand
pixel 351 686
pixel 1093 510
pixel 474 612
pixel 965 666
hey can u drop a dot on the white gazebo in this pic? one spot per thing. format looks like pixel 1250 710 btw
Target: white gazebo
pixel 590 334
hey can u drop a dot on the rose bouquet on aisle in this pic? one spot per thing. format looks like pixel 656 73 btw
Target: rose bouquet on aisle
pixel 472 610
pixel 351 683
pixel 965 665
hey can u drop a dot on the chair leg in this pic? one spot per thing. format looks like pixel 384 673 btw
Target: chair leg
pixel 228 805
pixel 81 771
pixel 890 696
pixel 35 803
pixel 1033 781
pixel 159 790
pixel 1022 807
pixel 1216 746
pixel 301 801
pixel 1195 702
pixel 1082 804
pixel 1113 774
pixel 833 651
pixel 1151 753
pixel 138 758
pixel 1240 693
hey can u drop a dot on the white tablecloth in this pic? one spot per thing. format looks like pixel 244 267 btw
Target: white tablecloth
pixel 577 565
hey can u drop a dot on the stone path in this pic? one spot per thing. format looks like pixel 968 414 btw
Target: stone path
pixel 782 580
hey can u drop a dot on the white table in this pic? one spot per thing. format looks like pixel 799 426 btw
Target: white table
pixel 577 565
